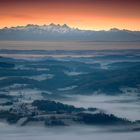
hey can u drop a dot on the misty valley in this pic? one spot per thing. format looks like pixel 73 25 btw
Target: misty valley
pixel 94 92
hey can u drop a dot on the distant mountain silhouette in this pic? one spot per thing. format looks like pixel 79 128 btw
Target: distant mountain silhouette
pixel 57 32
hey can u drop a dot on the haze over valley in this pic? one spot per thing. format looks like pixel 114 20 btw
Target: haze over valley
pixel 69 70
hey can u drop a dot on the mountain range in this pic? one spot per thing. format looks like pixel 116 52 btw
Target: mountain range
pixel 57 32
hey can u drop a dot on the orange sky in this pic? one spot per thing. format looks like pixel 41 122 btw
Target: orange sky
pixel 84 14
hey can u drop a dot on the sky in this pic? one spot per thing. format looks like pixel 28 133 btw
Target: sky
pixel 84 14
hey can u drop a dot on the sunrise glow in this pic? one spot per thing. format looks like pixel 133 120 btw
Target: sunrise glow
pixel 84 14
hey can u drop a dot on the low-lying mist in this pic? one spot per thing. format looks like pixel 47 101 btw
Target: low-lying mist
pixel 62 133
pixel 125 106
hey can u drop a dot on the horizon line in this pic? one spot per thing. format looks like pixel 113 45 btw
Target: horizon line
pixel 58 24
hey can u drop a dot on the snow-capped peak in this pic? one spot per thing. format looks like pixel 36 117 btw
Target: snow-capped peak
pixel 45 28
pixel 58 28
